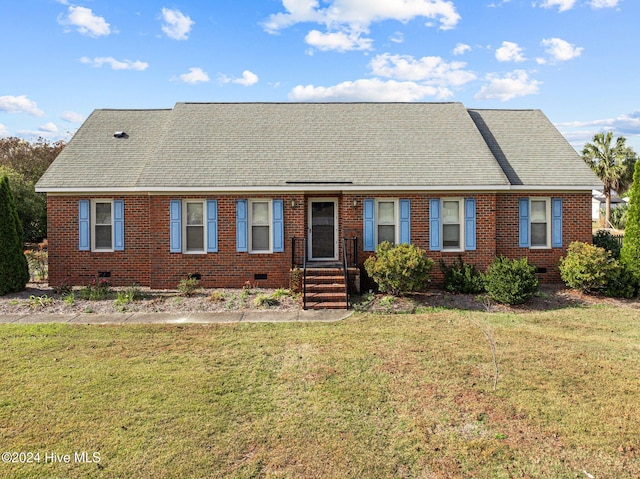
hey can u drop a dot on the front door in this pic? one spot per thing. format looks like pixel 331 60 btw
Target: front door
pixel 323 229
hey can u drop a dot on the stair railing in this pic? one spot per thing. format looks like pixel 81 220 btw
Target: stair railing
pixel 300 260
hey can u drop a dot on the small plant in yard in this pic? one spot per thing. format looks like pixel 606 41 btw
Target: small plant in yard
pixel 281 293
pixel 188 286
pixel 98 289
pixel 264 300
pixel 37 302
pixel 69 298
pixel 399 269
pixel 604 239
pixel 38 260
pixel 511 281
pixel 462 278
pixel 587 268
pixel 123 298
pixel 217 297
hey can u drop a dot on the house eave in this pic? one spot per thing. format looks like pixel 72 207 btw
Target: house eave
pixel 305 188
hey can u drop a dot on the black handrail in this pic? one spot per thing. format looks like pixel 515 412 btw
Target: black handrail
pixel 300 262
pixel 345 271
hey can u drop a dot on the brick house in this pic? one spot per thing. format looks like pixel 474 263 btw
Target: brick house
pixel 238 192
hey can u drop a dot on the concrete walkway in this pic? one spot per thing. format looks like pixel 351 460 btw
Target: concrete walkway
pixel 325 315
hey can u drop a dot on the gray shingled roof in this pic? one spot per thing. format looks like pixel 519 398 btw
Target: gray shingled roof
pixel 261 146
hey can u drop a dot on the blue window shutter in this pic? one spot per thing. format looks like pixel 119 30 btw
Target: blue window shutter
pixel 118 225
pixel 83 225
pixel 405 221
pixel 434 224
pixel 212 226
pixel 556 222
pixel 241 226
pixel 523 241
pixel 369 227
pixel 175 215
pixel 278 226
pixel 470 224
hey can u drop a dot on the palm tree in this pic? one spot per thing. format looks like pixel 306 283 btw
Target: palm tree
pixel 613 164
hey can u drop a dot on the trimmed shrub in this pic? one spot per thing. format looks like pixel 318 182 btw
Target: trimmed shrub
pixel 621 284
pixel 399 269
pixel 462 278
pixel 587 268
pixel 604 239
pixel 14 268
pixel 511 281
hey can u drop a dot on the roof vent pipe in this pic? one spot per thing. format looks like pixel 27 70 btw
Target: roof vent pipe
pixel 120 134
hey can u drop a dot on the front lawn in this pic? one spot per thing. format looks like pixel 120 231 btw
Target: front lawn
pixel 376 395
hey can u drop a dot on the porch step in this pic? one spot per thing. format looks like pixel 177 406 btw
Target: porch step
pixel 325 289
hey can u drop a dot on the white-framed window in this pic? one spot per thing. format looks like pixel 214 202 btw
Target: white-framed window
pixel 387 224
pixel 194 226
pixel 102 234
pixel 260 226
pixel 540 222
pixel 452 224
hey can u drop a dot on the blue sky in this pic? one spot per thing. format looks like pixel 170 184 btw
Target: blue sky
pixel 576 60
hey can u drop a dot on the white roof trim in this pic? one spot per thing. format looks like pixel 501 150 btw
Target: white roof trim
pixel 314 188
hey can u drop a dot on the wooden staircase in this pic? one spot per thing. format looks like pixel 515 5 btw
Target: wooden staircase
pixel 325 289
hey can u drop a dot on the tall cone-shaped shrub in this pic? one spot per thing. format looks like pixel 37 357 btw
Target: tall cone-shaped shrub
pixel 630 253
pixel 14 268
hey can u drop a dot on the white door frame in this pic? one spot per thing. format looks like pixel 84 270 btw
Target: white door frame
pixel 335 227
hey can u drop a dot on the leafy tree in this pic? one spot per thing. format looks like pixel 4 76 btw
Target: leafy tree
pixel 613 164
pixel 30 206
pixel 14 268
pixel 31 160
pixel 630 253
pixel 24 163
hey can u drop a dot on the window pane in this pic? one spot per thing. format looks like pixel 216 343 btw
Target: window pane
pixel 260 238
pixel 386 233
pixel 195 238
pixel 386 213
pixel 260 213
pixel 195 214
pixel 538 234
pixel 451 236
pixel 103 237
pixel 539 211
pixel 451 212
pixel 103 213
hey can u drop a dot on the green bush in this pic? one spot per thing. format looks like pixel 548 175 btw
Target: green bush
pixel 511 281
pixel 399 269
pixel 462 278
pixel 14 268
pixel 621 284
pixel 188 286
pixel 604 239
pixel 588 268
pixel 630 252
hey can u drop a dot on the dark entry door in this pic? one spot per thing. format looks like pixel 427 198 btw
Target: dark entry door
pixel 323 224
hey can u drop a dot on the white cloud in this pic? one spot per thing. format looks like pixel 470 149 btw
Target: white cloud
pixel 368 90
pixel 348 19
pixel 195 75
pixel 3 130
pixel 560 50
pixel 248 78
pixel 430 70
pixel 72 117
pixel 604 3
pixel 563 5
pixel 49 127
pixel 85 22
pixel 625 124
pixel 19 104
pixel 115 64
pixel 512 85
pixel 48 130
pixel 339 41
pixel 177 25
pixel 397 37
pixel 461 49
pixel 510 52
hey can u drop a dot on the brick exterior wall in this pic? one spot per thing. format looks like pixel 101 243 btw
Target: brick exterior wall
pixel 146 260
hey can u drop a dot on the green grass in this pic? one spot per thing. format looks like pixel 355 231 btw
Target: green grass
pixel 373 396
